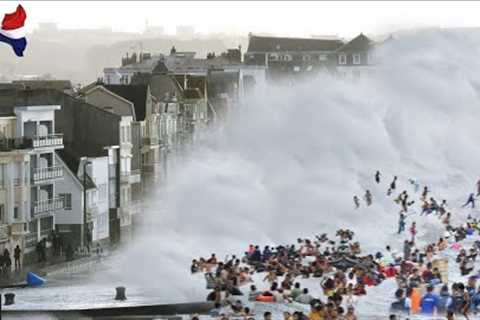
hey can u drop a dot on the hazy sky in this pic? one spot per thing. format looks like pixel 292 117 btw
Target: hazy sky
pixel 283 18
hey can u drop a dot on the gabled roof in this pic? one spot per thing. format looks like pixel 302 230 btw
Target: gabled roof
pixel 160 68
pixel 60 85
pixel 274 44
pixel 161 84
pixel 72 164
pixel 137 94
pixel 115 96
pixel 357 44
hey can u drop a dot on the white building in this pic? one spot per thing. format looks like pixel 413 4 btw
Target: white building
pixel 74 221
pixel 29 173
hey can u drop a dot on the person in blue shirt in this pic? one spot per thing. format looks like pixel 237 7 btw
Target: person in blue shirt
pixel 430 301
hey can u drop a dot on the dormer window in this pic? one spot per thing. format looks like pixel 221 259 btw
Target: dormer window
pixel 342 58
pixel 356 58
pixel 306 58
pixel 286 57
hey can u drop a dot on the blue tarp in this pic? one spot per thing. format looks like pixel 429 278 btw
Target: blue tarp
pixel 34 280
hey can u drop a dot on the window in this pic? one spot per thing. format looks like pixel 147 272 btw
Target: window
pixel 273 56
pixel 296 69
pixel 342 59
pixel 286 57
pixel 356 58
pixel 322 57
pixel 122 135
pixel 2 214
pixel 67 200
pixel 17 174
pixel 306 58
pixel 15 212
pixel 2 175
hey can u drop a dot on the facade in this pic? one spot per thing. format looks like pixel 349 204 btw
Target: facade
pixel 291 58
pixel 74 224
pixel 112 99
pixel 30 174
pixel 356 57
pixel 90 131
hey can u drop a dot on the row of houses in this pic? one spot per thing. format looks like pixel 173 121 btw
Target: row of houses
pixel 76 164
pixel 285 58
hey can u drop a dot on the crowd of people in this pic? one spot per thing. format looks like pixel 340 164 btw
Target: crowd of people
pixel 344 273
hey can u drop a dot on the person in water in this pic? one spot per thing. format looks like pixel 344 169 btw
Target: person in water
pixel 368 198
pixel 393 184
pixel 401 223
pixel 356 201
pixel 377 176
pixel 471 201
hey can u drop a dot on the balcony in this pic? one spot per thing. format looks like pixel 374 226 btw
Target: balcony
pixel 49 140
pixel 4 232
pixel 10 144
pixel 48 173
pixel 47 206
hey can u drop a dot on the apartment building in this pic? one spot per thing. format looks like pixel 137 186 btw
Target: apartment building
pixel 29 173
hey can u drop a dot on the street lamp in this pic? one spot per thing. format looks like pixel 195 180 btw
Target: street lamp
pixel 84 227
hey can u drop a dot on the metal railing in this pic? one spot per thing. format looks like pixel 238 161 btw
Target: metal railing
pixel 49 140
pixel 9 144
pixel 47 173
pixel 48 205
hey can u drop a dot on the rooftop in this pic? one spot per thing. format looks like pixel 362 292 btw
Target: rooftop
pixel 137 94
pixel 280 44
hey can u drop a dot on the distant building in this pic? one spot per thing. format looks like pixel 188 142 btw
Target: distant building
pixel 286 58
pixel 154 31
pixel 356 57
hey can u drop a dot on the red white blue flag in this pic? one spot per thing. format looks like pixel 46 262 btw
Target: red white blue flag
pixel 12 31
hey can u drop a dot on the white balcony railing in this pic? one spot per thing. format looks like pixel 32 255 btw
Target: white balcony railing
pixel 49 140
pixel 47 173
pixel 49 205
